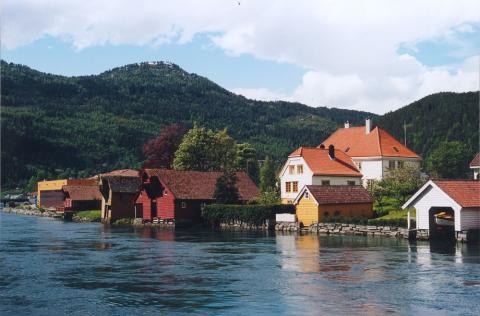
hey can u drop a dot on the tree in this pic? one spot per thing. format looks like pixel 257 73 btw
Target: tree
pixel 160 151
pixel 378 191
pixel 204 150
pixel 247 161
pixel 226 191
pixel 449 160
pixel 402 182
pixel 268 179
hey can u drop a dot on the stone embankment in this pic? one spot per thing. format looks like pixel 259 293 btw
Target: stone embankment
pixel 30 211
pixel 345 229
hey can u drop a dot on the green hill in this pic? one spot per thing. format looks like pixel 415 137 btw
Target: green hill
pixel 56 126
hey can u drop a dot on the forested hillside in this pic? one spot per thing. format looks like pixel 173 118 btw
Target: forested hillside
pixel 55 126
pixel 435 119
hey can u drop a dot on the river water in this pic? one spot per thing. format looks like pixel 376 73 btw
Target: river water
pixel 50 267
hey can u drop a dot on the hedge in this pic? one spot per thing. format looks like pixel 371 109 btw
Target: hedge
pixel 249 214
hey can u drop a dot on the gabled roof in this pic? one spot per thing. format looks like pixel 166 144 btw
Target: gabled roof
pixel 320 163
pixel 122 172
pixel 337 194
pixel 476 161
pixel 198 185
pixel 355 142
pixel 122 184
pixel 82 192
pixel 466 193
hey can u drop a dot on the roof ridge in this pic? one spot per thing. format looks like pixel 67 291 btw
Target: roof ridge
pixel 379 140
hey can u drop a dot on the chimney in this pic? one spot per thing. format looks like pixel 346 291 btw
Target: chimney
pixel 322 146
pixel 368 125
pixel 347 124
pixel 331 152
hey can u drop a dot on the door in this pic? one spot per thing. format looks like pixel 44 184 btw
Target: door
pixel 154 209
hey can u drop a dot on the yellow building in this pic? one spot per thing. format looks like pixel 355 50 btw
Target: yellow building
pixel 50 194
pixel 317 202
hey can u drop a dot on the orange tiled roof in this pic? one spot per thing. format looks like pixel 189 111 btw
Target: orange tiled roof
pixel 320 163
pixel 465 192
pixel 339 194
pixel 198 185
pixel 82 192
pixel 356 143
pixel 476 161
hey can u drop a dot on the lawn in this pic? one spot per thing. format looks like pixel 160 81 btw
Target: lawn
pixel 391 208
pixel 92 215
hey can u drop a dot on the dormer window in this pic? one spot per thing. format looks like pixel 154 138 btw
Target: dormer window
pixel 396 149
pixel 346 150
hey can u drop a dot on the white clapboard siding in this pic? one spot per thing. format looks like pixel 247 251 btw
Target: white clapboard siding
pixel 470 218
pixel 433 197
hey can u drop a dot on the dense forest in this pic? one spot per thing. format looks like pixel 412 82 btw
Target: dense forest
pixel 55 126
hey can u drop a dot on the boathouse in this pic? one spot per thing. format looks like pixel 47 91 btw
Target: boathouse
pixel 447 208
pixel 81 198
pixel 51 195
pixel 317 203
pixel 179 196
pixel 119 190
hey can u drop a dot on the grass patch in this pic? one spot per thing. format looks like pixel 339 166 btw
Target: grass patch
pixel 398 214
pixel 89 215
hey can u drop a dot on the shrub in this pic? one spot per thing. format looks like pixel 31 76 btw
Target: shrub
pixel 123 221
pixel 397 222
pixel 249 214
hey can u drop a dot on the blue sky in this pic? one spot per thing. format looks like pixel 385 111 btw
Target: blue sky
pixel 367 55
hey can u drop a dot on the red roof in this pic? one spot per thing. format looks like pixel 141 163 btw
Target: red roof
pixel 122 172
pixel 339 194
pixel 82 192
pixel 198 185
pixel 465 192
pixel 355 142
pixel 476 161
pixel 320 163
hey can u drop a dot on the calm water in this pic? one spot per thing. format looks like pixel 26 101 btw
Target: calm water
pixel 48 267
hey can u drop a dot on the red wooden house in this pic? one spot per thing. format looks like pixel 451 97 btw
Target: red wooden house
pixel 179 196
pixel 81 198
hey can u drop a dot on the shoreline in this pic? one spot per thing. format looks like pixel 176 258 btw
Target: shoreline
pixel 46 213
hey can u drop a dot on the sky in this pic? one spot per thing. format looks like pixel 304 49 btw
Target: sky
pixel 370 55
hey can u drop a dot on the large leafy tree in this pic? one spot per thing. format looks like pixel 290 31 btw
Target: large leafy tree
pixel 402 182
pixel 226 191
pixel 268 179
pixel 449 160
pixel 160 151
pixel 247 161
pixel 205 150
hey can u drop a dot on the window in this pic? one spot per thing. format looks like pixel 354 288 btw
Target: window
pixel 325 182
pixel 291 169
pixel 400 164
pixel 391 164
pixel 300 169
pixel 288 187
pixel 396 149
pixel 184 204
pixel 295 186
pixel 346 150
pixel 351 182
pixel 307 196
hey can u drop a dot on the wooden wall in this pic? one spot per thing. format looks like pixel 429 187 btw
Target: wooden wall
pixel 307 211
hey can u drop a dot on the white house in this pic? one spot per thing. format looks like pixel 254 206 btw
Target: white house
pixel 374 151
pixel 458 200
pixel 320 166
pixel 475 166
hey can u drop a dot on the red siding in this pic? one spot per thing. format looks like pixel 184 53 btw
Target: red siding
pixel 166 206
pixel 144 200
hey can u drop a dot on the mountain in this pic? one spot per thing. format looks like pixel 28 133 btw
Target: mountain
pixel 57 126
pixel 439 117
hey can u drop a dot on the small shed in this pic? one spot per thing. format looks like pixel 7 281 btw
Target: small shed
pixel 447 207
pixel 315 203
pixel 118 196
pixel 179 196
pixel 81 197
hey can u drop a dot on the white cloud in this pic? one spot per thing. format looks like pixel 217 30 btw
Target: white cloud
pixel 347 48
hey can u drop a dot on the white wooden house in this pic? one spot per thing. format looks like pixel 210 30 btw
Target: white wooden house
pixel 475 166
pixel 318 166
pixel 374 151
pixel 458 199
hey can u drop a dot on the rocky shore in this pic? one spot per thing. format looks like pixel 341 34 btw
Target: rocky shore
pixel 31 212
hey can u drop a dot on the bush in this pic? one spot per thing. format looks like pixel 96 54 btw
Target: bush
pixel 123 221
pixel 396 222
pixel 249 214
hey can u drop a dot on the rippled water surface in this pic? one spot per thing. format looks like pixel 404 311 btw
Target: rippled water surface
pixel 49 267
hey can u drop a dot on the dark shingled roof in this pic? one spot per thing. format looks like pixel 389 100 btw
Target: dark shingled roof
pixel 198 185
pixel 339 194
pixel 82 192
pixel 122 184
